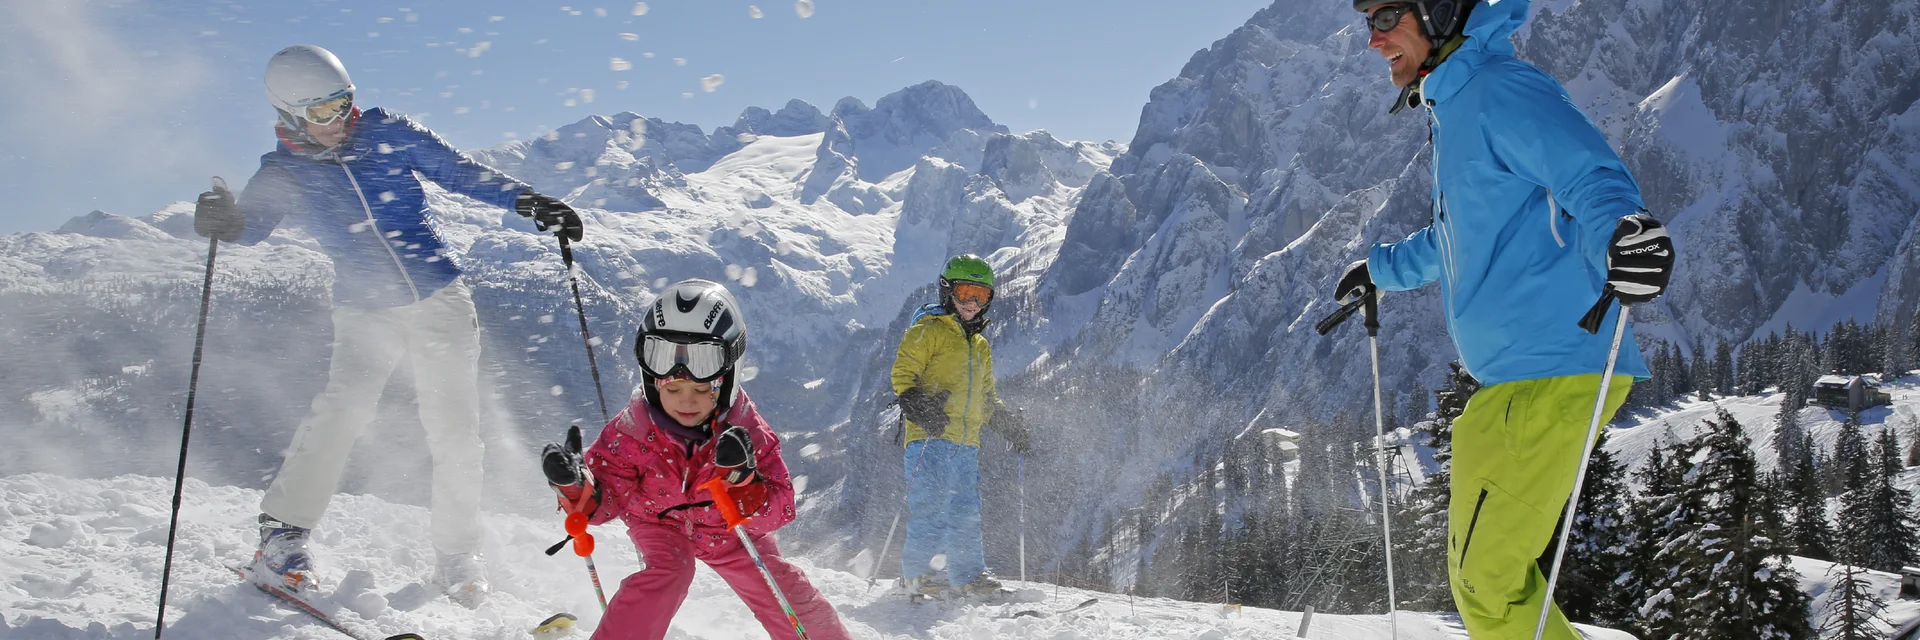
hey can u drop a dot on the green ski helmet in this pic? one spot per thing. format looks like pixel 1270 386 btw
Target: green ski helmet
pixel 970 269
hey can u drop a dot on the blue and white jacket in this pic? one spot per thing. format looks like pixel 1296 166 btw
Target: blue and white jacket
pixel 365 207
pixel 1526 196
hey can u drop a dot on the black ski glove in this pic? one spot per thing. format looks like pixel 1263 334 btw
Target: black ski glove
pixel 566 469
pixel 549 213
pixel 733 451
pixel 1012 425
pixel 1355 283
pixel 1640 259
pixel 925 409
pixel 217 216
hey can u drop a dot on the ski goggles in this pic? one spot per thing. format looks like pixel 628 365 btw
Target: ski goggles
pixel 964 292
pixel 329 111
pixel 701 359
pixel 1388 17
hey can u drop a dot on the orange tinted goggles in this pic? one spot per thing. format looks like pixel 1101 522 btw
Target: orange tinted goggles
pixel 964 292
pixel 327 112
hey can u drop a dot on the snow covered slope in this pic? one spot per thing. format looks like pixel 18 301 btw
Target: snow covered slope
pixel 81 559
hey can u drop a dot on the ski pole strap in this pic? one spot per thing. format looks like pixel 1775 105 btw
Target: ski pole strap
pixel 729 509
pixel 1340 315
pixel 1598 314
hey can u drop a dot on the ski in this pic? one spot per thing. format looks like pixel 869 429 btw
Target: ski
pixel 1089 602
pixel 305 607
pixel 555 624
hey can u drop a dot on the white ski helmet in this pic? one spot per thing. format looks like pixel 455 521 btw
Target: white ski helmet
pixel 695 328
pixel 302 76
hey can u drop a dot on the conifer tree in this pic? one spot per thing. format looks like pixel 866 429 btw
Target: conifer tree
pixel 1854 607
pixel 1723 369
pixel 1421 562
pixel 1878 528
pixel 1599 550
pixel 1726 575
pixel 1809 530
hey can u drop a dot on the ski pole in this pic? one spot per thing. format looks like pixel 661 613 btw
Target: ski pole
pixel 1023 517
pixel 731 511
pixel 186 430
pixel 1586 452
pixel 1369 304
pixel 586 338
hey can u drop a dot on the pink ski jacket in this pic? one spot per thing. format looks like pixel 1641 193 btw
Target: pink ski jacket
pixel 648 476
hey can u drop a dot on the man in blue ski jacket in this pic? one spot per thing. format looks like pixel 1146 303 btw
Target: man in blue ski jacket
pixel 1534 217
pixel 349 177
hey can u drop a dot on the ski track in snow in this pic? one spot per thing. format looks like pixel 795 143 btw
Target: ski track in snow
pixel 81 558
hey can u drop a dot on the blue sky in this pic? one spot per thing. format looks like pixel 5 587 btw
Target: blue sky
pixel 126 106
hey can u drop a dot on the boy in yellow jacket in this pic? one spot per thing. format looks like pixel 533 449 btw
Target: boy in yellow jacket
pixel 943 374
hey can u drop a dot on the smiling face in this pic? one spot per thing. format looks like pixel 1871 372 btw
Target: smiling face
pixel 1404 46
pixel 687 402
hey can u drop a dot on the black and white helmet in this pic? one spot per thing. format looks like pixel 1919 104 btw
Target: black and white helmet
pixel 695 329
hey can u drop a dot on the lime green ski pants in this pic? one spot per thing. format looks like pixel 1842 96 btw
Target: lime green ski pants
pixel 1515 452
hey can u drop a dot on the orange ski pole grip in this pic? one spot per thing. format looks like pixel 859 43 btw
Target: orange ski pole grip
pixel 729 510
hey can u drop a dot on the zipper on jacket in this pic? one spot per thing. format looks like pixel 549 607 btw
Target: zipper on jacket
pixel 1551 224
pixel 966 410
pixel 379 235
pixel 1465 544
pixel 1447 239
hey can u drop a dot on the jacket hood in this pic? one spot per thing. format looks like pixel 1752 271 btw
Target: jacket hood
pixel 1489 33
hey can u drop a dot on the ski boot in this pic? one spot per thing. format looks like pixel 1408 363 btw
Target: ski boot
pixel 282 561
pixel 463 576
pixel 983 589
pixel 931 585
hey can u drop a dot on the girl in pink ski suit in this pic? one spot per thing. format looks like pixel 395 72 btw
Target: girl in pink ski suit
pixel 647 468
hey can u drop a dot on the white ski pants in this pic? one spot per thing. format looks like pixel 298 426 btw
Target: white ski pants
pixel 440 335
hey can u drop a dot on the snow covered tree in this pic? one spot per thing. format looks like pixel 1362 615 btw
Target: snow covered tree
pixel 1853 607
pixel 1850 462
pixel 1600 548
pixel 1656 513
pixel 1700 371
pixel 1810 532
pixel 1913 454
pixel 1726 576
pixel 1878 528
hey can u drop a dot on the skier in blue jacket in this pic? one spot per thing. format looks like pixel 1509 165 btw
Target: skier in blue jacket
pixel 349 177
pixel 1534 216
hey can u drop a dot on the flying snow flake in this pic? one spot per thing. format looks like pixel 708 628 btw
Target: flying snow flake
pixel 679 62
pixel 556 390
pixel 383 19
pixel 562 166
pixel 814 384
pixel 373 34
pixel 619 64
pixel 748 277
pixel 661 283
pixel 630 37
pixel 799 485
pixel 648 55
pixel 546 319
pixel 594 341
pixel 803 7
pixel 733 272
pixel 570 102
pixel 358 227
pixel 712 82
pixel 386 196
pixel 639 8
pixel 479 48
pixel 688 95
pixel 938 563
pixel 747 374
pixel 862 563
pixel 620 86
pixel 495 18
pixel 753 11
pixel 586 96
pixel 459 110
pixel 413 17
pixel 466 29
pixel 599 12
pixel 810 450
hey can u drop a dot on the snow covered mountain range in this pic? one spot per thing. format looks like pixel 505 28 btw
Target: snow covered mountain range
pixel 1157 295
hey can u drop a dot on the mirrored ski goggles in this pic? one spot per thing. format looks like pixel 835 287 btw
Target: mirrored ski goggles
pixel 329 111
pixel 702 361
pixel 1388 17
pixel 964 292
